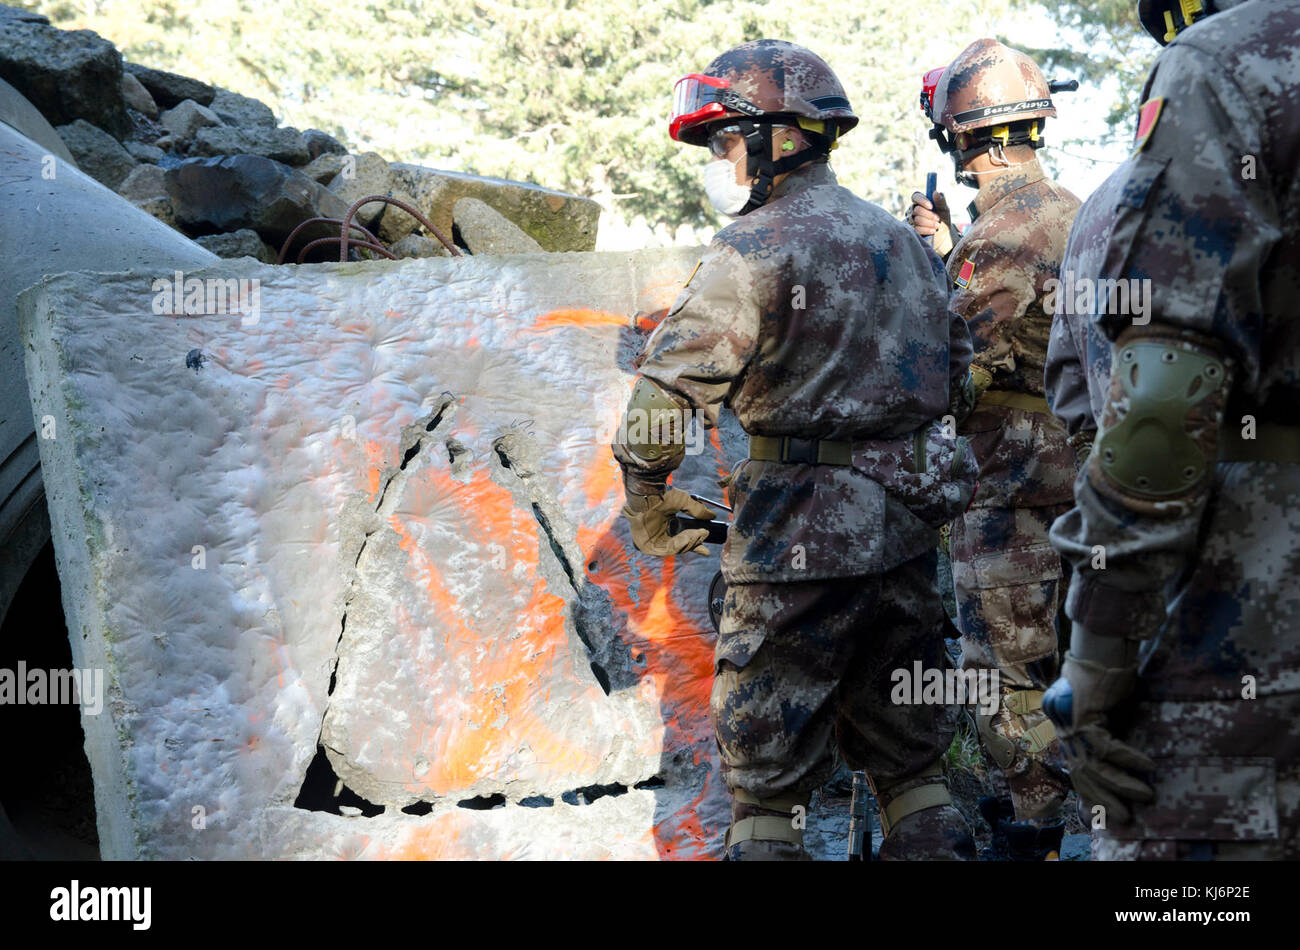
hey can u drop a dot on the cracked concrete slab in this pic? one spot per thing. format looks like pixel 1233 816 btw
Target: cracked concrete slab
pixel 381 520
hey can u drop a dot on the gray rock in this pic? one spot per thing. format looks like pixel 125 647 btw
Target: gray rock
pixel 66 74
pixel 144 181
pixel 323 167
pixel 20 115
pixel 248 191
pixel 160 207
pixel 320 143
pixel 282 145
pixel 184 120
pixel 487 231
pixel 241 243
pixel 369 174
pixel 98 154
pixel 555 220
pixel 145 153
pixel 137 97
pixel 10 15
pixel 235 109
pixel 417 245
pixel 169 89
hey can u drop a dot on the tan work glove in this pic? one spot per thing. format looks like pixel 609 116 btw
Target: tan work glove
pixel 1101 767
pixel 932 219
pixel 647 516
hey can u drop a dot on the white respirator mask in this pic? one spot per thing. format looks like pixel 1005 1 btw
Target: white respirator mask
pixel 720 185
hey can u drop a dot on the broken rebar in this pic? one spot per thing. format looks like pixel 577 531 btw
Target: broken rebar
pixel 331 240
pixel 288 242
pixel 424 222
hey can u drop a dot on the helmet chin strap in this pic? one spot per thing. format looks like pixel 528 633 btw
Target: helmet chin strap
pixel 758 146
pixel 972 176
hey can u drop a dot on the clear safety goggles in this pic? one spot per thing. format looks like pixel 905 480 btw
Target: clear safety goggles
pixel 723 139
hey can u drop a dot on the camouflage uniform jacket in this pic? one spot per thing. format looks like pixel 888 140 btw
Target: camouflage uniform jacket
pixel 1210 214
pixel 1003 272
pixel 1077 373
pixel 819 316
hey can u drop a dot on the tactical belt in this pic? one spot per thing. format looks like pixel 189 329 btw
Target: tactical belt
pixel 764 448
pixel 1026 401
pixel 1272 443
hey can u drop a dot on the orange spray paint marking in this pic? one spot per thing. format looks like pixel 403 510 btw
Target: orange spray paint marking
pixel 580 317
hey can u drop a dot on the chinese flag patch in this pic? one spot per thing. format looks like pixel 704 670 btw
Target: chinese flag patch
pixel 964 275
pixel 1147 118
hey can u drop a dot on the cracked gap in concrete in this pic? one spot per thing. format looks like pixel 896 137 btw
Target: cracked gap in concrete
pixel 592 793
pixel 591 612
pixel 483 802
pixel 323 790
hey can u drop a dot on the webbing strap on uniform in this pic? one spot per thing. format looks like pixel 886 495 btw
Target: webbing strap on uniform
pixel 764 448
pixel 1026 401
pixel 775 803
pixel 1024 701
pixel 764 828
pixel 1040 737
pixel 1272 443
pixel 912 801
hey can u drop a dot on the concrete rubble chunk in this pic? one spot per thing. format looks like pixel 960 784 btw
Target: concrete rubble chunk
pixel 169 89
pixel 323 167
pixel 143 152
pixel 487 231
pixel 66 74
pixel 368 174
pixel 235 109
pixel 144 181
pixel 247 191
pixel 399 474
pixel 281 144
pixel 160 206
pixel 98 154
pixel 322 143
pixel 417 245
pixel 137 97
pixel 184 120
pixel 241 243
pixel 555 220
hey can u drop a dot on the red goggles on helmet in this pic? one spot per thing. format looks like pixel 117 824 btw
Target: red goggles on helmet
pixel 698 98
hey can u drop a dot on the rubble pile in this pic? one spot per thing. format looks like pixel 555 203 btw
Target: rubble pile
pixel 217 166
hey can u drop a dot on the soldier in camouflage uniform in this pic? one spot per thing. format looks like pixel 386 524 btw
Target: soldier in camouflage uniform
pixel 1077 373
pixel 1180 695
pixel 989 107
pixel 823 324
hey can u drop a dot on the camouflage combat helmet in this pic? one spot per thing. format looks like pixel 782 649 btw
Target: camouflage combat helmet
pixel 990 95
pixel 1165 19
pixel 754 86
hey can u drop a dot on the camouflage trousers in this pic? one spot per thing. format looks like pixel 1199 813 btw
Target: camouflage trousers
pixel 1008 585
pixel 803 668
pixel 1227 783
